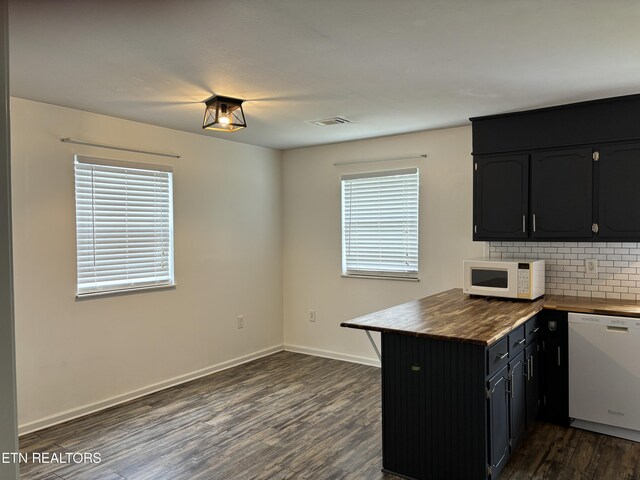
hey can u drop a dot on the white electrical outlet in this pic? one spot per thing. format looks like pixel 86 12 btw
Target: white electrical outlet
pixel 591 265
pixel 312 315
pixel 240 321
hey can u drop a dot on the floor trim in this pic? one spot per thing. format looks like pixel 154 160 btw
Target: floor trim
pixel 141 392
pixel 331 354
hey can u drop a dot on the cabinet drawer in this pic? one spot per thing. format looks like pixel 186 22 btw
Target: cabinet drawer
pixel 531 329
pixel 516 340
pixel 498 355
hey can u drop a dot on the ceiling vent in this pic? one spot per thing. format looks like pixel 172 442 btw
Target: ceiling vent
pixel 330 121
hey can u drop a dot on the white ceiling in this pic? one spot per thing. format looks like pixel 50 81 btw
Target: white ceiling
pixel 389 66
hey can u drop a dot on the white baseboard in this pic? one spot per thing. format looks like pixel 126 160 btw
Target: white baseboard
pixel 141 392
pixel 373 362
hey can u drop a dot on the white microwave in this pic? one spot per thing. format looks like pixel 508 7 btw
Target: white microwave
pixel 509 278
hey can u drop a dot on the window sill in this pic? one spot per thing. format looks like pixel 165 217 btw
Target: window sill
pixel 128 291
pixel 381 277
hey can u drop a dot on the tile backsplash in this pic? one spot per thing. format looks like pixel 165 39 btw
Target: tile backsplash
pixel 618 275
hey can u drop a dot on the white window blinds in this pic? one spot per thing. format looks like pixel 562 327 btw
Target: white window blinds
pixel 124 225
pixel 380 223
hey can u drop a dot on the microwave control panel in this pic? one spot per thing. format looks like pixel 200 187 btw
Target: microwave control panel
pixel 523 281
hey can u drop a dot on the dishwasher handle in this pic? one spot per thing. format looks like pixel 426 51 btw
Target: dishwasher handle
pixel 613 328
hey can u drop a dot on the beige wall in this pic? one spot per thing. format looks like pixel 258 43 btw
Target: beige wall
pixel 74 356
pixel 312 238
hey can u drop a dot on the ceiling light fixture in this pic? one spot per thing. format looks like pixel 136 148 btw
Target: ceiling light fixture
pixel 223 114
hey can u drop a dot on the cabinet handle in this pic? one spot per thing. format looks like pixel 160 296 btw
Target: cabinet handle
pixel 558 356
pixel 535 330
pixel 502 356
pixel 534 222
pixel 520 342
pixel 526 372
pixel 532 374
pixel 523 224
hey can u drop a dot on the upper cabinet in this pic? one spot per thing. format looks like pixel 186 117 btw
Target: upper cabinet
pixel 501 193
pixel 561 194
pixel 561 173
pixel 618 173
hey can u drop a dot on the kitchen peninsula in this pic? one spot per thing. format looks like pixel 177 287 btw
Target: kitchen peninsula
pixel 464 377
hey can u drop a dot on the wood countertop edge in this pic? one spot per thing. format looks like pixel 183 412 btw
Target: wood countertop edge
pixel 551 302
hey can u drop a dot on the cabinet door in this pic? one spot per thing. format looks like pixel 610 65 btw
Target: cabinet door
pixel 561 194
pixel 517 408
pixel 500 197
pixel 498 419
pixel 554 369
pixel 618 199
pixel 532 387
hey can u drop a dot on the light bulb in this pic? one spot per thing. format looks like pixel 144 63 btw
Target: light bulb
pixel 224 120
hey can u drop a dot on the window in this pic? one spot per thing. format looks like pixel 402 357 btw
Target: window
pixel 380 224
pixel 124 225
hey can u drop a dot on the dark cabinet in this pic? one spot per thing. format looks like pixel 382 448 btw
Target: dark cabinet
pixel 498 411
pixel 561 194
pixel 517 410
pixel 501 197
pixel 584 166
pixel 618 172
pixel 554 369
pixel 532 389
pixel 443 401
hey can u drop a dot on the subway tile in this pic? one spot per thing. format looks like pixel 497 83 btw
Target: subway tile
pixel 621 289
pixel 613 296
pixel 614 244
pixel 598 295
pixel 584 294
pixel 627 283
pixel 627 296
pixel 613 282
pixel 622 251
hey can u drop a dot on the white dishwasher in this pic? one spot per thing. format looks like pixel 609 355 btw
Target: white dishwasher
pixel 604 374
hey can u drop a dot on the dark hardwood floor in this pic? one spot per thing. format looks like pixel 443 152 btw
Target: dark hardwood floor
pixel 286 416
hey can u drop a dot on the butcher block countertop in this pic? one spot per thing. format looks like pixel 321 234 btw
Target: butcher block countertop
pixel 452 315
